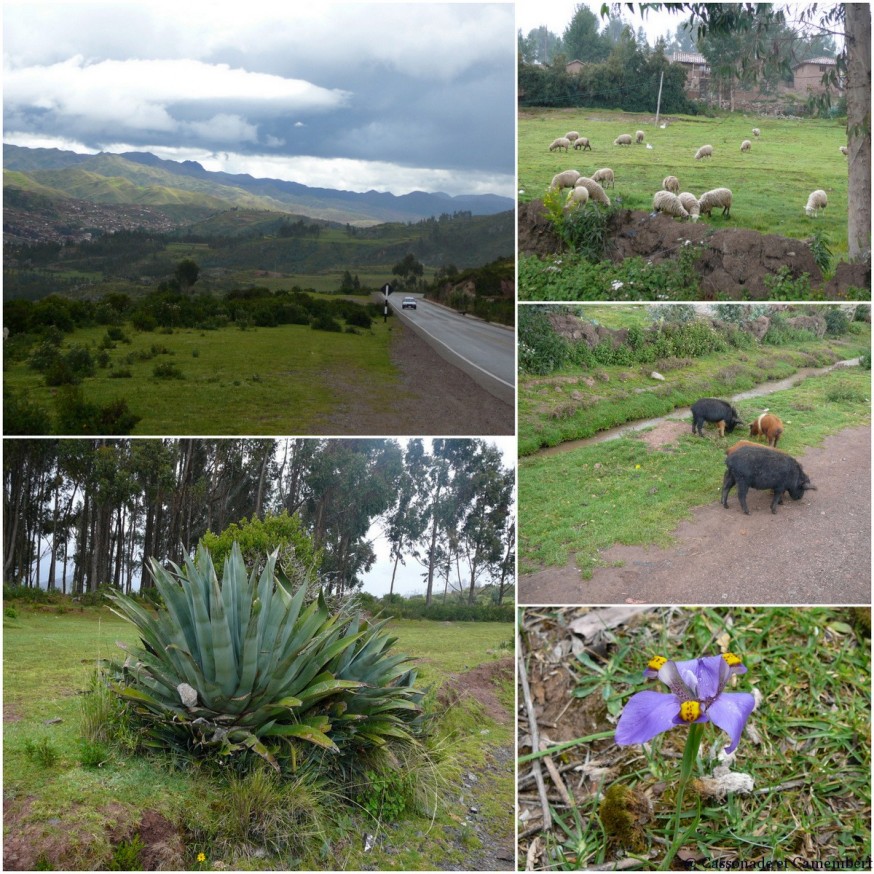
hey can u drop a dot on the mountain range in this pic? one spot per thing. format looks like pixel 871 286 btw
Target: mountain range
pixel 143 180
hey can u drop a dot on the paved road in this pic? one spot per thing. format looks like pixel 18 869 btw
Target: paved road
pixel 485 352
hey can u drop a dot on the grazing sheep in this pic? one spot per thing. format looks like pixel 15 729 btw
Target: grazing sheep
pixel 669 204
pixel 622 140
pixel 583 143
pixel 605 175
pixel 818 200
pixel 572 135
pixel 756 132
pixel 690 204
pixel 704 152
pixel 745 146
pixel 565 179
pixel 596 193
pixel 716 197
pixel 844 150
pixel 560 143
pixel 671 183
pixel 638 137
pixel 578 196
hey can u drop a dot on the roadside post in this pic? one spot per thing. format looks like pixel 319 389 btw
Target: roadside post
pixel 386 291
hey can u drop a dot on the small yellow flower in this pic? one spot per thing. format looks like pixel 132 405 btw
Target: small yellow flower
pixel 201 857
pixel 637 467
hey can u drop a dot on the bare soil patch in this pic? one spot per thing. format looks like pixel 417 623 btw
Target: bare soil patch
pixel 480 684
pixel 813 551
pixel 732 261
pixel 432 397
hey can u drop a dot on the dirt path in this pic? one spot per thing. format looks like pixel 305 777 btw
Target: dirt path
pixel 813 551
pixel 433 398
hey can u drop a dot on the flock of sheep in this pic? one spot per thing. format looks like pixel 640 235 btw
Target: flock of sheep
pixel 670 200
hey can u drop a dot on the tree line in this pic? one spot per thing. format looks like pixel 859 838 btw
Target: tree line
pixel 81 514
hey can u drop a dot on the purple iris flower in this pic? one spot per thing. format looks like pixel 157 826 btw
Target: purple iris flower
pixel 696 696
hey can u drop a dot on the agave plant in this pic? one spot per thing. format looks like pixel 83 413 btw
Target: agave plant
pixel 247 664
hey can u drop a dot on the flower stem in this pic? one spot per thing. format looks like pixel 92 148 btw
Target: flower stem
pixel 690 756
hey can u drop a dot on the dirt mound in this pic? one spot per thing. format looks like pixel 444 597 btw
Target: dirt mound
pixel 732 260
pixel 480 683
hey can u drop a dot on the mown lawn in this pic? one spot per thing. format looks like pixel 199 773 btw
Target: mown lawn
pixel 77 811
pixel 770 184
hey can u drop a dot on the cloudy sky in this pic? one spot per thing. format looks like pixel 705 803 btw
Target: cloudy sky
pixel 355 95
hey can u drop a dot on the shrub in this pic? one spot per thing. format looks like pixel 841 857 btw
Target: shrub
pixel 41 752
pixel 541 350
pixel 836 321
pixel 167 370
pixel 244 667
pixel 325 322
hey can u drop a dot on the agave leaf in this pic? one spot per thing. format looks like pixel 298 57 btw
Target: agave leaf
pixel 226 672
pixel 304 732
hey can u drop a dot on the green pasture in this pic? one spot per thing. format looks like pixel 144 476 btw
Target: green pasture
pixel 280 380
pixel 770 184
pixel 620 491
pixel 49 654
pixel 574 403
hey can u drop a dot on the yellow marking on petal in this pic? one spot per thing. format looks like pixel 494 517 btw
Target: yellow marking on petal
pixel 690 711
pixel 732 659
pixel 656 662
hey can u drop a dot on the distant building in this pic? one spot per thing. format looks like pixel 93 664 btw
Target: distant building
pixel 697 69
pixel 574 66
pixel 808 75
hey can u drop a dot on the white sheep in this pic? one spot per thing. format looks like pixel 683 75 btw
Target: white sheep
pixel 577 197
pixel 671 183
pixel 668 203
pixel 572 135
pixel 638 137
pixel 583 143
pixel 756 132
pixel 605 175
pixel 690 204
pixel 704 152
pixel 560 143
pixel 596 193
pixel 622 140
pixel 716 197
pixel 565 179
pixel 844 150
pixel 745 146
pixel 818 200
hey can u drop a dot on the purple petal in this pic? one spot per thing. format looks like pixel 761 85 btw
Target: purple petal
pixel 679 681
pixel 730 711
pixel 713 673
pixel 645 715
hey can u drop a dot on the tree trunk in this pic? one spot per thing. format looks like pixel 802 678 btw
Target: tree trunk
pixel 858 35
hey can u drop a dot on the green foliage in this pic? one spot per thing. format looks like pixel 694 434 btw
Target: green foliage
pixel 451 611
pixel 167 370
pixel 781 334
pixel 75 415
pixel 585 229
pixel 126 855
pixel 541 350
pixel 384 794
pixel 822 253
pixel 92 754
pixel 257 538
pixel 836 321
pixel 41 752
pixel 243 666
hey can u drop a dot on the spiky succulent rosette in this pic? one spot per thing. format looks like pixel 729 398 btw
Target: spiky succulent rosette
pixel 246 664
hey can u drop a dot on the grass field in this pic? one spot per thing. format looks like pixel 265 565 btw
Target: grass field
pixel 564 406
pixel 808 762
pixel 620 491
pixel 280 380
pixel 49 654
pixel 770 183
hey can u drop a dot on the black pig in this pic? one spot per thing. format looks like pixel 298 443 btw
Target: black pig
pixel 761 468
pixel 714 410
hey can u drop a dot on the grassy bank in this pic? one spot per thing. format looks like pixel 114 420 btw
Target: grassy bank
pixel 620 491
pixel 81 814
pixel 770 183
pixel 574 403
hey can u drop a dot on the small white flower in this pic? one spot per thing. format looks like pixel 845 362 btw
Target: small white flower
pixel 616 284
